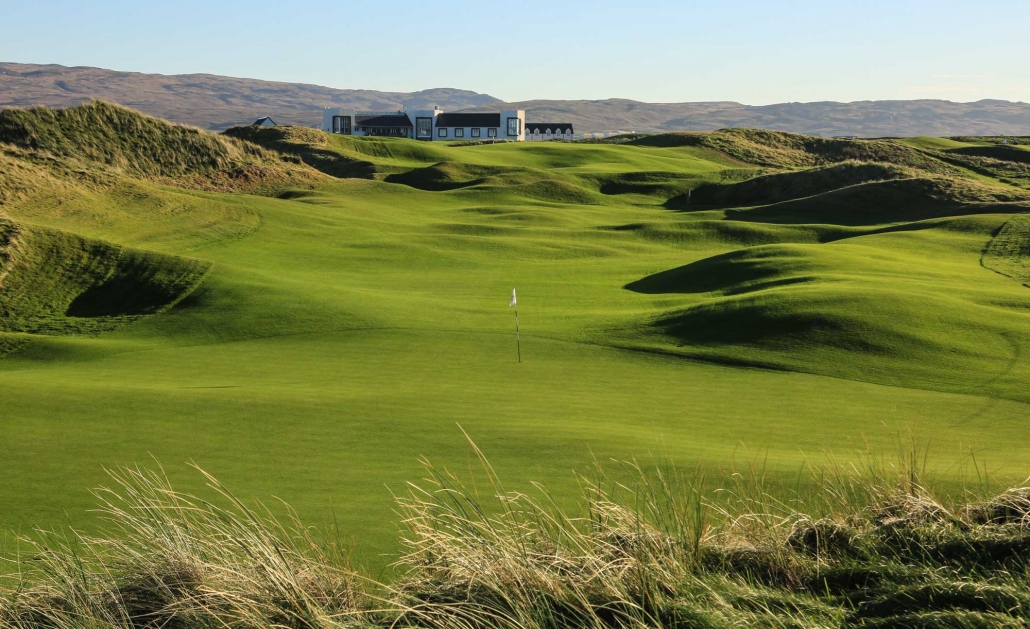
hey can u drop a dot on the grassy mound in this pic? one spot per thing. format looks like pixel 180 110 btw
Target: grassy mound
pixel 842 310
pixel 1008 252
pixel 662 184
pixel 59 283
pixel 453 175
pixel 650 548
pixel 789 150
pixel 996 152
pixel 891 201
pixel 519 182
pixel 20 178
pixel 1008 165
pixel 122 139
pixel 8 234
pixel 311 146
pixel 112 140
pixel 788 186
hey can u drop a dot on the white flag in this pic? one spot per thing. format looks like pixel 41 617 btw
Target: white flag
pixel 513 301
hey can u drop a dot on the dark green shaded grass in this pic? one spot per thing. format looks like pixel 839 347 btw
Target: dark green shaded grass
pixel 1008 252
pixel 882 202
pixel 788 186
pixel 59 283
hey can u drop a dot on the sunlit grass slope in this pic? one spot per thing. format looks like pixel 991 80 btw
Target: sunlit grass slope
pixel 310 316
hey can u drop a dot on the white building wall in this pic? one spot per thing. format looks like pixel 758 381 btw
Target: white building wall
pixel 414 115
pixel 513 113
pixel 327 118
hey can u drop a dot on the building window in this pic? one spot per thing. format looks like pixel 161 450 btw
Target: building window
pixel 475 132
pixel 514 126
pixel 441 132
pixel 341 124
pixel 491 132
pixel 459 133
pixel 423 128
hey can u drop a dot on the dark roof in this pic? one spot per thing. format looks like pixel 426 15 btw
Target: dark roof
pixel 389 120
pixel 262 120
pixel 468 120
pixel 553 126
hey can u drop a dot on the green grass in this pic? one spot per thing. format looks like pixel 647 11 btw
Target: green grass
pixel 350 318
pixel 934 144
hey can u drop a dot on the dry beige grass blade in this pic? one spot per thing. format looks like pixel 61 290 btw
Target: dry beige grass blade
pixel 652 548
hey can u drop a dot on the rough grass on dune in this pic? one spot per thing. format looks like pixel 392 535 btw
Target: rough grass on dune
pixel 778 187
pixel 847 182
pixel 118 140
pixel 890 201
pixel 8 243
pixel 789 150
pixel 1009 165
pixel 869 547
pixel 311 146
pixel 20 177
pixel 122 139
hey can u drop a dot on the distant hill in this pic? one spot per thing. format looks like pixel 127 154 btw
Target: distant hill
pixel 206 100
pixel 218 102
pixel 863 118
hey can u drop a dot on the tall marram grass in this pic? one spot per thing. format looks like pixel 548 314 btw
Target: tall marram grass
pixel 869 546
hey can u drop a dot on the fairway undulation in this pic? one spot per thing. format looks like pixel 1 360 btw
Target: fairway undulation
pixel 305 315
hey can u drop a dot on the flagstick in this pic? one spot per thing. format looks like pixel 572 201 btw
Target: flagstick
pixel 518 341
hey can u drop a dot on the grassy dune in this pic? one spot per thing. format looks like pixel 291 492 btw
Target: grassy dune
pixel 865 546
pixel 305 315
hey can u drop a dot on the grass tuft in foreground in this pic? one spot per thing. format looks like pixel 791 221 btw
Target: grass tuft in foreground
pixel 651 548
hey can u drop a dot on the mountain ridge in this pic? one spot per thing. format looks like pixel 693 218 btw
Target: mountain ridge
pixel 217 102
pixel 209 101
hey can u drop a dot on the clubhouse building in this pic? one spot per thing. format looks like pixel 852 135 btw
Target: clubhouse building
pixel 537 132
pixel 430 125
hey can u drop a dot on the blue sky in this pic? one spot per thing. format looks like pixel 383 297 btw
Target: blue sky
pixel 650 50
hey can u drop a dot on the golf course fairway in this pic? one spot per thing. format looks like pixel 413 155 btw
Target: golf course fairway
pixel 305 316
